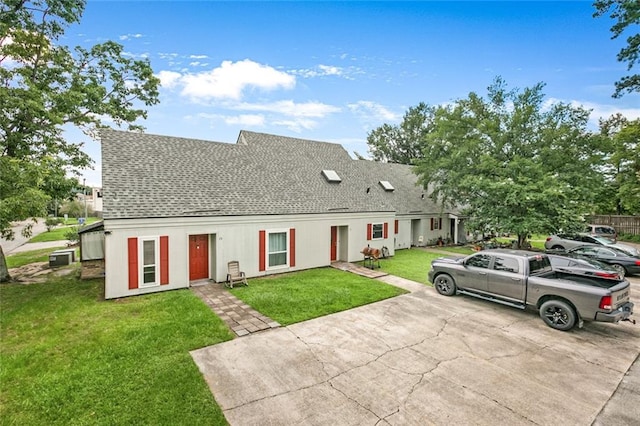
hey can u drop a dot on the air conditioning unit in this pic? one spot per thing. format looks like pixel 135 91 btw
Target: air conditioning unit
pixel 60 258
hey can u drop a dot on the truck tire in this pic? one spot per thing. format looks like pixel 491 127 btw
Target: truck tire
pixel 445 284
pixel 558 314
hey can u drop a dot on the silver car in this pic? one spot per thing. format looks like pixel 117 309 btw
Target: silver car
pixel 566 241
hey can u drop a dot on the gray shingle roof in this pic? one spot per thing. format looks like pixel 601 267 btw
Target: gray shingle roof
pixel 148 175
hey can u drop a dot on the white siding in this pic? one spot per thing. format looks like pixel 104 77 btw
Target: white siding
pixel 236 238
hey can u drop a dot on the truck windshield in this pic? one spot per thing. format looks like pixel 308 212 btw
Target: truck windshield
pixel 539 265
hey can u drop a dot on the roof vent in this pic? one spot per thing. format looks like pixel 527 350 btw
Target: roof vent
pixel 331 176
pixel 386 185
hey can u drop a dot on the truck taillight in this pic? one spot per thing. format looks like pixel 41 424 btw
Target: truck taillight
pixel 605 302
pixel 613 275
pixel 548 238
pixel 638 262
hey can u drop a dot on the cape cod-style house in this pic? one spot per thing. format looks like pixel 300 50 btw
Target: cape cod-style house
pixel 177 210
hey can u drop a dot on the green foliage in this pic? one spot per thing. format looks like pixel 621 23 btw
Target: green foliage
pixel 402 143
pixel 627 16
pixel 516 164
pixel 72 234
pixel 69 357
pixel 621 192
pixel 52 222
pixel 299 296
pixel 73 208
pixel 45 85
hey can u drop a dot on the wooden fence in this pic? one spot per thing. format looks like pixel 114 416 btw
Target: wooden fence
pixel 622 224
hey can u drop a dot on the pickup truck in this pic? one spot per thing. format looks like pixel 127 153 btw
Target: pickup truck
pixel 522 278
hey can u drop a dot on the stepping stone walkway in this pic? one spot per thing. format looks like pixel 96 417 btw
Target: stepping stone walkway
pixel 240 317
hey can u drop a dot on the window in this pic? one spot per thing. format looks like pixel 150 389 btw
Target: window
pixel 479 261
pixel 150 256
pixel 506 264
pixel 148 261
pixel 386 185
pixel 436 223
pixel 377 231
pixel 331 176
pixel 277 249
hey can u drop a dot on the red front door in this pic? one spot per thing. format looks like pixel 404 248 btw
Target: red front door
pixel 334 243
pixel 198 257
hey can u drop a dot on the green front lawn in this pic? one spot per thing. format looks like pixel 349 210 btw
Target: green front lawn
pixel 56 234
pixel 69 358
pixel 299 296
pixel 31 256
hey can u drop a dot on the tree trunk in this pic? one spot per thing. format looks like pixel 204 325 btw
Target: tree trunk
pixel 4 271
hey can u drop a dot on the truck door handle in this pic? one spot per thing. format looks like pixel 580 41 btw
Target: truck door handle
pixel 515 279
pixel 482 273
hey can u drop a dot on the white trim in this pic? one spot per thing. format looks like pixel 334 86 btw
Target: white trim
pixel 141 265
pixel 268 232
pixel 381 237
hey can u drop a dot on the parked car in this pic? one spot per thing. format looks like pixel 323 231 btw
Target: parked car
pixel 583 266
pixel 567 241
pixel 520 278
pixel 623 262
pixel 605 231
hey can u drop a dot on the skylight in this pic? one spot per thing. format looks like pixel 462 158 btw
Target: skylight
pixel 386 185
pixel 331 176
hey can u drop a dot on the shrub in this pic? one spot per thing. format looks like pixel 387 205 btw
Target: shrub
pixel 52 222
pixel 72 234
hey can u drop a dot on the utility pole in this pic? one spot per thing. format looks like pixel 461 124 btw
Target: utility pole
pixel 84 190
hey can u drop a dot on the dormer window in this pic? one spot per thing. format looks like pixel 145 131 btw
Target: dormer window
pixel 386 185
pixel 331 176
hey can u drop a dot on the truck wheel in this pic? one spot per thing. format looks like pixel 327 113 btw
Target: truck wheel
pixel 445 285
pixel 619 269
pixel 558 314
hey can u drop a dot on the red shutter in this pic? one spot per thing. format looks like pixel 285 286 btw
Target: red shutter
pixel 385 230
pixel 133 263
pixel 369 231
pixel 164 260
pixel 395 227
pixel 261 251
pixel 440 223
pixel 432 224
pixel 292 247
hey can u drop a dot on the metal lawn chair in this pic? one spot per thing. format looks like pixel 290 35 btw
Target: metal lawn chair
pixel 235 275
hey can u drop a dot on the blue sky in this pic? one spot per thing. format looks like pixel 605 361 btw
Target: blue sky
pixel 333 71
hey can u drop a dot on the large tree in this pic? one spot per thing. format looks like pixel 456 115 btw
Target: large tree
pixel 514 162
pixel 621 192
pixel 402 143
pixel 45 85
pixel 627 16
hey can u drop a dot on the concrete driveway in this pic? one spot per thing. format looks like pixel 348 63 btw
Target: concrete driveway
pixel 422 359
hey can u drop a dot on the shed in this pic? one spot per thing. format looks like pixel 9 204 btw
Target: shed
pixel 92 250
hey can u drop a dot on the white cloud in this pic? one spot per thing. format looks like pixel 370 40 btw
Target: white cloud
pixel 198 56
pixel 231 79
pixel 374 112
pixel 292 109
pixel 297 125
pixel 169 79
pixel 129 36
pixel 325 70
pixel 244 120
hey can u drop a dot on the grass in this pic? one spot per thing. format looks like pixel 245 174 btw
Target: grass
pixel 31 256
pixel 412 264
pixel 56 234
pixel 299 296
pixel 69 358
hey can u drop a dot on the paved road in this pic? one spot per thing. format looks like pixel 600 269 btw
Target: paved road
pixel 422 358
pixel 9 246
